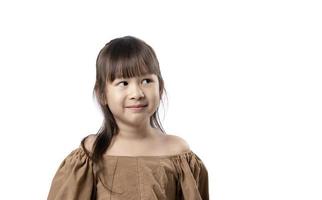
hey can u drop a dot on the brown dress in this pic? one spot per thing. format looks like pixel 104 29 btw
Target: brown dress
pixel 171 177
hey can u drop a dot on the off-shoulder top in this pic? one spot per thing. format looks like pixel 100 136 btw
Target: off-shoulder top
pixel 170 177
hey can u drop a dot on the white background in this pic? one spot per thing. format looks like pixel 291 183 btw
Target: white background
pixel 243 80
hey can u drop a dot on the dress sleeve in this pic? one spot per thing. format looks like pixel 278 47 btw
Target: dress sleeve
pixel 74 178
pixel 193 177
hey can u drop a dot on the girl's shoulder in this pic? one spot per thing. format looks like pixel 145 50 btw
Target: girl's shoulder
pixel 89 141
pixel 176 144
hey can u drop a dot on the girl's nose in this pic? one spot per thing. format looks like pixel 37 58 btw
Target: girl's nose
pixel 136 92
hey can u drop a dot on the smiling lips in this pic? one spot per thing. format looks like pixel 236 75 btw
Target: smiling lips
pixel 137 106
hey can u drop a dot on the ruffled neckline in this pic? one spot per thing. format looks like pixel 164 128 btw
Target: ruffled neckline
pixel 151 156
pixel 185 153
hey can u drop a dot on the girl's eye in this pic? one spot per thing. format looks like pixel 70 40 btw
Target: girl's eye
pixel 126 83
pixel 149 80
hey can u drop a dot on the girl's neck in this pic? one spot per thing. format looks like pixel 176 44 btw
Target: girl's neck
pixel 138 134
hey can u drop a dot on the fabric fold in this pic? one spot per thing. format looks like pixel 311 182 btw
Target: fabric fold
pixel 73 179
pixel 192 176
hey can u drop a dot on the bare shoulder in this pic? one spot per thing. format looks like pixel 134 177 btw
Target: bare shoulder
pixel 89 141
pixel 177 144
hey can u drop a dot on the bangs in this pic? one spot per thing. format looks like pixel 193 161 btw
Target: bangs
pixel 128 69
pixel 130 59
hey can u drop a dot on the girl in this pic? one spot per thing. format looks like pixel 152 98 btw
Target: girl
pixel 131 157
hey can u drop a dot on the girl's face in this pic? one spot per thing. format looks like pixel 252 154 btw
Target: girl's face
pixel 124 93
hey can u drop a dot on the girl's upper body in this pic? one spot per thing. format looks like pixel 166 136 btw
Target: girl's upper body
pixel 171 176
pixel 130 157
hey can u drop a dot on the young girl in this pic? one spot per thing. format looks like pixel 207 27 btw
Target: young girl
pixel 131 157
